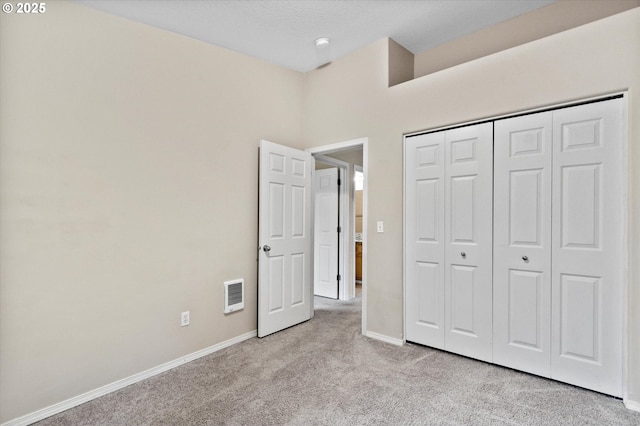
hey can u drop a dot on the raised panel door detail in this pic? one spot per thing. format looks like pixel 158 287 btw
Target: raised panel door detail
pixel 297 278
pixel 427 156
pixel 426 196
pixel 462 209
pixel 580 317
pixel 462 300
pixel 276 163
pixel 276 283
pixel 581 207
pixel 299 168
pixel 276 216
pixel 525 207
pixel 428 288
pixel 526 142
pixel 582 134
pixel 325 182
pixel 297 211
pixel 525 288
pixel 463 150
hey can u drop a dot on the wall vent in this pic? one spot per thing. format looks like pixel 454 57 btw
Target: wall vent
pixel 233 295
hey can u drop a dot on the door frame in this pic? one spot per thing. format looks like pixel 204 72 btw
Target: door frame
pixel 344 270
pixel 341 146
pixel 356 169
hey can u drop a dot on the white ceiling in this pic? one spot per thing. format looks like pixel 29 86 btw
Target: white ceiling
pixel 283 31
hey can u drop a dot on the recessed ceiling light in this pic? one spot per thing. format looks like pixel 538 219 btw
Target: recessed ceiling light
pixel 322 42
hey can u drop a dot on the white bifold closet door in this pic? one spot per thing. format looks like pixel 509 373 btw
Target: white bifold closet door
pixel 559 254
pixel 588 246
pixel 522 243
pixel 449 240
pixel 424 238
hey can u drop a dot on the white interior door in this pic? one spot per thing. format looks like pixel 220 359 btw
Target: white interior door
pixel 424 239
pixel 284 261
pixel 469 240
pixel 326 233
pixel 588 251
pixel 522 243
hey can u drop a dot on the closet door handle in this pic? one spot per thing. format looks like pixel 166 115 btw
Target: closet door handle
pixel 525 258
pixel 266 248
pixel 464 255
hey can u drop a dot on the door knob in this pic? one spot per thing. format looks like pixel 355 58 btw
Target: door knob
pixel 464 255
pixel 266 248
pixel 525 258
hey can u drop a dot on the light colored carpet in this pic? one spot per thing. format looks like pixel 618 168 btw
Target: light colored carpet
pixel 323 372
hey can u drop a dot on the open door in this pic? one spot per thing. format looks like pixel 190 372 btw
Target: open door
pixel 326 251
pixel 285 236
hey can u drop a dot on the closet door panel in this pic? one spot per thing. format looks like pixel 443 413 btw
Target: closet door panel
pixel 522 243
pixel 424 239
pixel 588 251
pixel 468 239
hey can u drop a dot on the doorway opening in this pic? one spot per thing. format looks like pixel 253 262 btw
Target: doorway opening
pixel 331 228
pixel 350 158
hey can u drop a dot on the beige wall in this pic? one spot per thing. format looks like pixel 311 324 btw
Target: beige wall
pixel 551 19
pixel 349 99
pixel 401 64
pixel 128 188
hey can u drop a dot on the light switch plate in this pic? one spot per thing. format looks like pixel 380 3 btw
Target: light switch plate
pixel 380 226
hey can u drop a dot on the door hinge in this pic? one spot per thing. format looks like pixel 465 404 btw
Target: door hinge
pixel 339 181
pixel 339 229
pixel 339 277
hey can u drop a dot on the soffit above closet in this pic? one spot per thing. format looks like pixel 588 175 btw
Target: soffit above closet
pixel 283 31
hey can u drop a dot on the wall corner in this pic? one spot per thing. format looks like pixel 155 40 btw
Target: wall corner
pixel 401 63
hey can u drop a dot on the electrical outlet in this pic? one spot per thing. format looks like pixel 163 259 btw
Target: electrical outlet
pixel 184 319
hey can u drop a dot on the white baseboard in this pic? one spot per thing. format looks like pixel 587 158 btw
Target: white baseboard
pixel 383 338
pixel 632 405
pixel 119 384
